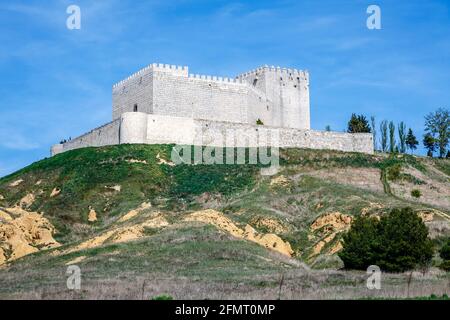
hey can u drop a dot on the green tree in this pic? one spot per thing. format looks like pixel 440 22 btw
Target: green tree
pixel 374 132
pixel 358 124
pixel 327 128
pixel 405 241
pixel 429 143
pixel 392 137
pixel 360 243
pixel 384 139
pixel 438 125
pixel 402 137
pixel 397 242
pixel 445 250
pixel 411 141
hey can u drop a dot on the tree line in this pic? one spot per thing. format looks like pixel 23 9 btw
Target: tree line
pixel 398 139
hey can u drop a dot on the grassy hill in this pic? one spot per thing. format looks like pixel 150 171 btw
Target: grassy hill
pixel 139 226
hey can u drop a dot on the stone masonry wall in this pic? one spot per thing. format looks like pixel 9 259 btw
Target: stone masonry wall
pixel 277 97
pixel 142 128
pixel 105 135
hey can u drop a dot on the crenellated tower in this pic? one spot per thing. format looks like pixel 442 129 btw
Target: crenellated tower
pixel 287 93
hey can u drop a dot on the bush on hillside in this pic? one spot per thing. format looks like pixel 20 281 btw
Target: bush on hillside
pixel 416 193
pixel 445 250
pixel 394 172
pixel 162 297
pixel 396 243
pixel 445 265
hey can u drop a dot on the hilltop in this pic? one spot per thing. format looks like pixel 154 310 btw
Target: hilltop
pixel 140 226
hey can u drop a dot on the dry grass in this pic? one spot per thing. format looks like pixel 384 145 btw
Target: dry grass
pixel 296 285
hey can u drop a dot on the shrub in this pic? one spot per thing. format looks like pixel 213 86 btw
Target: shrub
pixel 259 122
pixel 394 172
pixel 163 297
pixel 416 193
pixel 445 250
pixel 397 242
pixel 445 265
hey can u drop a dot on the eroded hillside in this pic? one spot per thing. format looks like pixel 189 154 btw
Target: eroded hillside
pixel 129 210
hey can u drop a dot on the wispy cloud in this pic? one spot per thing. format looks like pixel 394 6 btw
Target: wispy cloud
pixel 57 82
pixel 11 138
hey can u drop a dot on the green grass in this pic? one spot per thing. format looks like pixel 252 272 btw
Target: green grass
pixel 83 176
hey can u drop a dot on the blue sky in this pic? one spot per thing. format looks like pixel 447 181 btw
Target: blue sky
pixel 56 82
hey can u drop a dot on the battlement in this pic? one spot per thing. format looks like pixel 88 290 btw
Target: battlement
pixel 184 71
pixel 281 97
pixel 156 67
pixel 217 79
pixel 303 74
pixel 163 103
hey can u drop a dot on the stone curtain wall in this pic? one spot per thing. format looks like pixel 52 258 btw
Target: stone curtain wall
pixel 143 128
pixel 105 135
pixel 164 104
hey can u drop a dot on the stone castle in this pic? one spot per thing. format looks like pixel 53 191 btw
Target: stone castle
pixel 164 104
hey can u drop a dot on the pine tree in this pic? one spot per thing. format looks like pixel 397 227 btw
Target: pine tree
pixel 411 141
pixel 358 124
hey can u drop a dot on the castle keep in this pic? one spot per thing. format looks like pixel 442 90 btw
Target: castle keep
pixel 165 104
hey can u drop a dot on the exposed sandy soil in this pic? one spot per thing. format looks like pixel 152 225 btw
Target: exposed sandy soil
pixel 280 181
pixel 216 218
pixel 373 206
pixel 116 188
pixel 92 215
pixel 270 224
pixel 329 226
pixel 164 161
pixel 16 183
pixel 22 233
pixel 136 161
pixel 27 200
pixel 55 192
pixel 332 221
pixel 122 234
pixel 133 213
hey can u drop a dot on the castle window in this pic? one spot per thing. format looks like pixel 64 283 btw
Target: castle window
pixel 135 108
pixel 254 82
